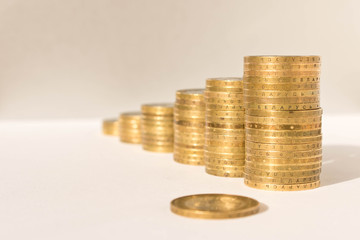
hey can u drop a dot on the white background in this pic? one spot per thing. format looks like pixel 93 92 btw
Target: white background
pixel 96 58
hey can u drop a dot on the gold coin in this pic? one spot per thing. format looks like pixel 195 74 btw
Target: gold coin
pixel 153 148
pixel 224 137
pixel 283 120
pixel 158 108
pixel 282 67
pixel 282 133
pixel 290 127
pixel 190 94
pixel 283 140
pixel 289 100
pixel 224 82
pixel 223 95
pixel 283 147
pixel 280 94
pixel 279 74
pixel 214 206
pixel 233 168
pixel 188 160
pixel 282 174
pixel 225 131
pixel 183 108
pixel 222 149
pixel 283 107
pixel 223 101
pixel 110 127
pixel 224 125
pixel 187 146
pixel 227 173
pixel 128 116
pixel 224 143
pixel 225 89
pixel 222 120
pixel 282 187
pixel 282 59
pixel 231 114
pixel 187 141
pixel 260 80
pixel 282 86
pixel 216 161
pixel 282 167
pixel 197 124
pixel 266 160
pixel 184 102
pixel 270 180
pixel 224 107
pixel 223 156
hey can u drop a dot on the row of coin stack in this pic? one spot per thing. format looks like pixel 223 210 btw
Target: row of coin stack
pixel 266 128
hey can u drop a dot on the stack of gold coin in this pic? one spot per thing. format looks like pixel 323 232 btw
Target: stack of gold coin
pixel 111 127
pixel 189 126
pixel 129 127
pixel 282 122
pixel 224 150
pixel 157 127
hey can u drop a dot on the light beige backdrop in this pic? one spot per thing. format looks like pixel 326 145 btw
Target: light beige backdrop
pixel 96 58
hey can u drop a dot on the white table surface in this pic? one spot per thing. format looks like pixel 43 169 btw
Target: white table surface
pixel 65 180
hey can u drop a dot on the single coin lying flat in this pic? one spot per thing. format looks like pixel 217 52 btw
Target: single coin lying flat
pixel 214 206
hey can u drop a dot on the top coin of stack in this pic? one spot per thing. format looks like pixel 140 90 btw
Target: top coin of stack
pixel 189 126
pixel 111 127
pixel 283 122
pixel 157 127
pixel 224 127
pixel 129 127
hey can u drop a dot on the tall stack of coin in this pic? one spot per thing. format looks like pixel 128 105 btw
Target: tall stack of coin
pixel 111 127
pixel 224 127
pixel 283 122
pixel 189 126
pixel 129 127
pixel 157 127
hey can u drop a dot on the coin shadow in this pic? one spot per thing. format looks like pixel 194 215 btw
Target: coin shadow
pixel 341 163
pixel 263 208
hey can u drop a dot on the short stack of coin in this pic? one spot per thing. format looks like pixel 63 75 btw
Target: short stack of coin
pixel 224 150
pixel 111 127
pixel 129 127
pixel 282 122
pixel 157 127
pixel 189 126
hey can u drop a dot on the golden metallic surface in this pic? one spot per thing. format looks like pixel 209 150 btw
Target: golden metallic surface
pixel 110 127
pixel 215 161
pixel 289 127
pixel 227 173
pixel 281 180
pixel 282 187
pixel 189 118
pixel 271 160
pixel 283 133
pixel 224 107
pixel 283 147
pixel 214 206
pixel 284 140
pixel 283 154
pixel 158 109
pixel 160 149
pixel 261 80
pixel 192 94
pixel 224 101
pixel 230 114
pixel 218 143
pixel 282 59
pixel 280 74
pixel 281 174
pixel 285 100
pixel 224 125
pixel 130 127
pixel 282 86
pixel 282 67
pixel 284 114
pixel 282 107
pixel 224 82
pixel 282 167
pixel 223 95
pixel 279 94
pixel 282 120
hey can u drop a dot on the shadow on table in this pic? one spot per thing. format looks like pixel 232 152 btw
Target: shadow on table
pixel 341 163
